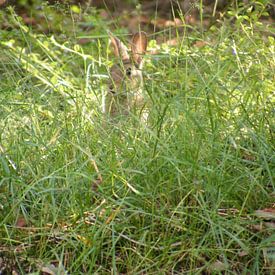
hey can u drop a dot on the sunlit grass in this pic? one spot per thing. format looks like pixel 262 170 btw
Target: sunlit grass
pixel 177 194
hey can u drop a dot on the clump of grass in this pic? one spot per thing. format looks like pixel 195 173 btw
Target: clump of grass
pixel 177 194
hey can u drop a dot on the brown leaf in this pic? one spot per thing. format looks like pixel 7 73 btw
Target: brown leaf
pixel 51 269
pixel 83 41
pixel 267 213
pixel 269 225
pixel 163 23
pixel 200 44
pixel 172 42
pixel 21 222
pixel 243 253
pixel 263 226
pixel 257 227
pixel 160 23
pixel 172 23
pixel 190 19
pixel 28 20
pixel 217 266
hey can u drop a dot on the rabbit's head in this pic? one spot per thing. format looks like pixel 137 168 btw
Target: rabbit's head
pixel 125 85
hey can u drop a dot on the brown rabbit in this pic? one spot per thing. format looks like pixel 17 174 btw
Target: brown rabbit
pixel 124 94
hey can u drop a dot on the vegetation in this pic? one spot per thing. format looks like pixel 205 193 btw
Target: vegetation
pixel 178 194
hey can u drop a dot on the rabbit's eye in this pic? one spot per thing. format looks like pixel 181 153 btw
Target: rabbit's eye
pixel 129 71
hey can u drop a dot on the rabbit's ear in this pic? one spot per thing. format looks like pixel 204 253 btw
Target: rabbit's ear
pixel 120 50
pixel 139 46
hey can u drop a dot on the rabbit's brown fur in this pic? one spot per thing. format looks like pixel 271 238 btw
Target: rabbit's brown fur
pixel 125 86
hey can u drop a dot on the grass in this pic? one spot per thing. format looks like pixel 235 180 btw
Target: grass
pixel 178 194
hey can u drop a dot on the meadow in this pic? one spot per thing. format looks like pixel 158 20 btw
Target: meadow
pixel 179 194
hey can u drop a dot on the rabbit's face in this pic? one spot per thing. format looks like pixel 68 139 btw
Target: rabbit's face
pixel 125 77
pixel 125 83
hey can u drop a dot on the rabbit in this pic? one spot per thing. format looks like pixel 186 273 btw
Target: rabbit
pixel 124 95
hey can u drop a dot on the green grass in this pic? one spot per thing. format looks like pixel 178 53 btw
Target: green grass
pixel 208 145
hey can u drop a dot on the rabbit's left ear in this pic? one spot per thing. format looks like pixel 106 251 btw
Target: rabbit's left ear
pixel 120 50
pixel 139 46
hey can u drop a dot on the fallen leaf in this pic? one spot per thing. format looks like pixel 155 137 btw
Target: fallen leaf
pixel 243 253
pixel 51 269
pixel 269 225
pixel 257 227
pixel 83 41
pixel 217 266
pixel 164 23
pixel 263 226
pixel 21 222
pixel 190 19
pixel 172 42
pixel 200 44
pixel 267 213
pixel 28 20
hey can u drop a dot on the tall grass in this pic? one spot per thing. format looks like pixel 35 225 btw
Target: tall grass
pixel 177 194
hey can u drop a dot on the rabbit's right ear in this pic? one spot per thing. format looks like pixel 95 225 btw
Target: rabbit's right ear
pixel 120 50
pixel 139 46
